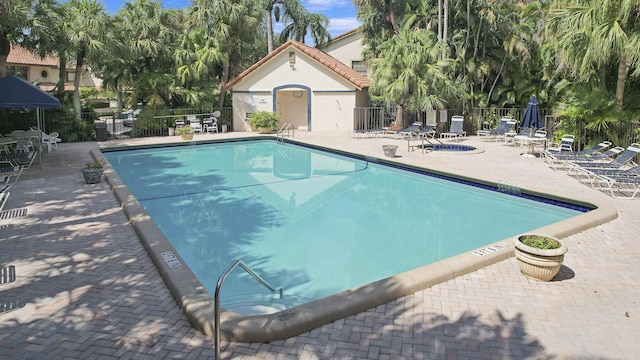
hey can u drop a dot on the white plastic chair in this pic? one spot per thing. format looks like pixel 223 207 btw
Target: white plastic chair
pixel 195 124
pixel 211 125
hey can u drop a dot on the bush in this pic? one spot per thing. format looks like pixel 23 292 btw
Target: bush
pixel 265 120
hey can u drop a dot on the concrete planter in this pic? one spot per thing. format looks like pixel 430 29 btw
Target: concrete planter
pixel 390 150
pixel 539 264
pixel 92 175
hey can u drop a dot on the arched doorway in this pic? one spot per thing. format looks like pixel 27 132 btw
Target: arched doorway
pixel 293 104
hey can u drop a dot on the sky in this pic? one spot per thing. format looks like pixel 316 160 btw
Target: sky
pixel 341 13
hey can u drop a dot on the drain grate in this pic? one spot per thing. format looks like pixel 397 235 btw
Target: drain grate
pixel 10 306
pixel 10 214
pixel 7 274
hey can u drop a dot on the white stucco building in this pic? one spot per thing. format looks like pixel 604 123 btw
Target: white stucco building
pixel 311 89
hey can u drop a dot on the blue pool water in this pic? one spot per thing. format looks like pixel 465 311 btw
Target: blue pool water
pixel 313 222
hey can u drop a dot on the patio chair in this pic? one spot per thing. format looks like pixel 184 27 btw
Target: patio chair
pixel 51 140
pixel 25 160
pixel 428 131
pixel 624 159
pixel 3 199
pixel 505 125
pixel 592 174
pixel 9 173
pixel 576 155
pixel 566 144
pixel 455 130
pixel 210 125
pixel 194 122
pixel 618 186
pixel 409 132
pixel 510 137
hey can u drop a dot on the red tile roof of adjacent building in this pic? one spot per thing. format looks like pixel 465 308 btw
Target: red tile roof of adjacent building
pixel 347 34
pixel 22 56
pixel 323 58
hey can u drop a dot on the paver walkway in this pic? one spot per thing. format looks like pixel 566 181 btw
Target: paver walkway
pixel 91 292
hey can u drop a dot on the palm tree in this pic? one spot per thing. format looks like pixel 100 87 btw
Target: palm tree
pixel 47 37
pixel 315 23
pixel 197 59
pixel 84 24
pixel 14 18
pixel 410 73
pixel 234 24
pixel 144 40
pixel 300 18
pixel 593 34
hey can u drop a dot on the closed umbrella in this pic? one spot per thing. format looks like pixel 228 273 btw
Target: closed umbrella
pixel 532 118
pixel 533 121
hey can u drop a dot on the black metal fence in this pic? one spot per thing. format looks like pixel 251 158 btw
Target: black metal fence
pixel 146 123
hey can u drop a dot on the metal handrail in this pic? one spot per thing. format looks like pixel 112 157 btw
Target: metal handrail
pixel 221 280
pixel 281 132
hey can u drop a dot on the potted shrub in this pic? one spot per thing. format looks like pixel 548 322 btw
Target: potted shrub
pixel 539 256
pixel 186 132
pixel 92 171
pixel 264 121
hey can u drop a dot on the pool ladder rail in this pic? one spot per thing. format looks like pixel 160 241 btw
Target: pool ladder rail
pixel 285 130
pixel 221 280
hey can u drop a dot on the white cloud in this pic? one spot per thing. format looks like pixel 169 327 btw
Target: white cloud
pixel 321 5
pixel 338 26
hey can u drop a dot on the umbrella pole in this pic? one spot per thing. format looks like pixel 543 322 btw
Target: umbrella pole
pixel 39 138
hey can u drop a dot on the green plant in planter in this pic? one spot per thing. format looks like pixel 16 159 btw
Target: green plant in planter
pixel 92 171
pixel 184 130
pixel 540 242
pixel 264 120
pixel 539 256
pixel 94 164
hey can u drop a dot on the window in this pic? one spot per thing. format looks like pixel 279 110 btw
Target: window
pixel 19 71
pixel 71 75
pixel 360 67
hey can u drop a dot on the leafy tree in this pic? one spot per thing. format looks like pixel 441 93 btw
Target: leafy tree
pixel 409 71
pixel 84 24
pixel 315 23
pixel 301 21
pixel 591 35
pixel 198 58
pixel 14 19
pixel 234 24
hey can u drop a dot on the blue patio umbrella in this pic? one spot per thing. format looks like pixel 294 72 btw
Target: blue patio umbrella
pixel 532 118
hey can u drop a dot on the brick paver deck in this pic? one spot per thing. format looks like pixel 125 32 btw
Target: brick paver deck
pixel 91 292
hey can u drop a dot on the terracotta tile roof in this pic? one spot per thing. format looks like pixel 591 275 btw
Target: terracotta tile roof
pixel 49 86
pixel 344 35
pixel 22 56
pixel 318 55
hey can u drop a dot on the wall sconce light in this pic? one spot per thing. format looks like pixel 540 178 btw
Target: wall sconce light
pixel 292 59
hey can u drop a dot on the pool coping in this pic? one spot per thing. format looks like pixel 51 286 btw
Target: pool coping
pixel 197 303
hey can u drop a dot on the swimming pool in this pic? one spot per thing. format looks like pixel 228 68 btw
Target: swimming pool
pixel 305 187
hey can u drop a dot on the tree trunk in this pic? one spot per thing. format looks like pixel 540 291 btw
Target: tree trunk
pixel 495 81
pixel 622 80
pixel 62 75
pixel 445 22
pixel 269 28
pixel 439 20
pixel 5 48
pixel 226 69
pixel 77 107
